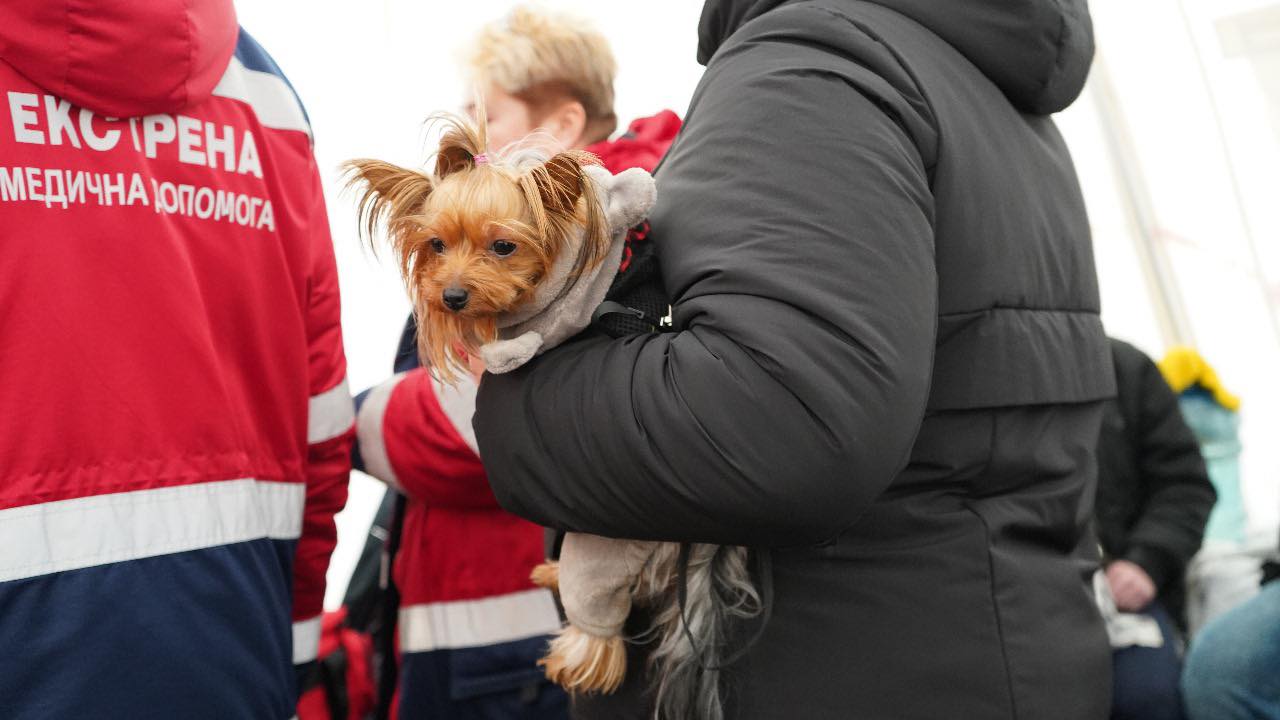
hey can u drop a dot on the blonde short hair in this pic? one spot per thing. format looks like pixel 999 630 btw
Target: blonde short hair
pixel 541 58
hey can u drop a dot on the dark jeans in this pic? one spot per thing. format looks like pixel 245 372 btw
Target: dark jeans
pixel 1145 680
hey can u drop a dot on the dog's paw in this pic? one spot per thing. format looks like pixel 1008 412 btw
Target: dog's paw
pixel 584 663
pixel 547 575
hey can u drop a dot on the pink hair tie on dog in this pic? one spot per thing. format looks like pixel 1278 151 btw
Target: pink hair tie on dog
pixel 481 159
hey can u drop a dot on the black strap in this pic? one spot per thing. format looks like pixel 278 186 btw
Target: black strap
pixel 385 636
pixel 363 599
pixel 334 676
pixel 764 569
pixel 328 673
pixel 609 307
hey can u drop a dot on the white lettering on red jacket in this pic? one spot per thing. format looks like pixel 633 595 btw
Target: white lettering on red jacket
pixel 180 321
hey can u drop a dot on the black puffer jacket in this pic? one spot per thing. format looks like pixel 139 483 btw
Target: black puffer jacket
pixel 888 364
pixel 1154 494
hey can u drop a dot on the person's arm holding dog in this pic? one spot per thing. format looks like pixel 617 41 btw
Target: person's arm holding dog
pixel 797 243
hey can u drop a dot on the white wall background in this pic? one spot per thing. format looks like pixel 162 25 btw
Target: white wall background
pixel 370 72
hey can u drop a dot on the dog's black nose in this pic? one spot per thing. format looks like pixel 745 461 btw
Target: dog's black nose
pixel 455 298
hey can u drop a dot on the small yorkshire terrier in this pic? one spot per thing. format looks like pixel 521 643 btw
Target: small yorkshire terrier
pixel 505 257
pixel 475 239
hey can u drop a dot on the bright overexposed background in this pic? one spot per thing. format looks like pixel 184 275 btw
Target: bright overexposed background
pixel 1176 140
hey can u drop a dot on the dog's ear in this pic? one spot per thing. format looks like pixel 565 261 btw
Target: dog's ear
pixel 561 182
pixel 563 200
pixel 567 200
pixel 453 155
pixel 460 145
pixel 388 193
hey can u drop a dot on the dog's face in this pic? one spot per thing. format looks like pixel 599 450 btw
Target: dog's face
pixel 475 251
pixel 475 239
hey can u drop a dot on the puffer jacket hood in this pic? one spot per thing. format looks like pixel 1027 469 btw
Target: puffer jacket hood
pixel 1037 52
pixel 123 59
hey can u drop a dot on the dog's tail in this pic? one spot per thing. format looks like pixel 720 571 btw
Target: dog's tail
pixel 692 624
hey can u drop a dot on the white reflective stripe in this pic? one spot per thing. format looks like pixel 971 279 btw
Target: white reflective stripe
pixel 472 623
pixel 101 529
pixel 330 414
pixel 269 95
pixel 373 446
pixel 306 640
pixel 459 405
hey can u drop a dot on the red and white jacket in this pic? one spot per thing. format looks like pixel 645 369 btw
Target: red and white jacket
pixel 463 565
pixel 175 424
pixel 471 624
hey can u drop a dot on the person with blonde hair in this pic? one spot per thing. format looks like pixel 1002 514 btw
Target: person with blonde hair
pixel 552 74
pixel 470 624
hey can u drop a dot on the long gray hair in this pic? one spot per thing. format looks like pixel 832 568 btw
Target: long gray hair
pixel 690 639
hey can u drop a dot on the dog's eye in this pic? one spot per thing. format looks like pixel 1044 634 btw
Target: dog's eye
pixel 503 248
pixel 438 245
